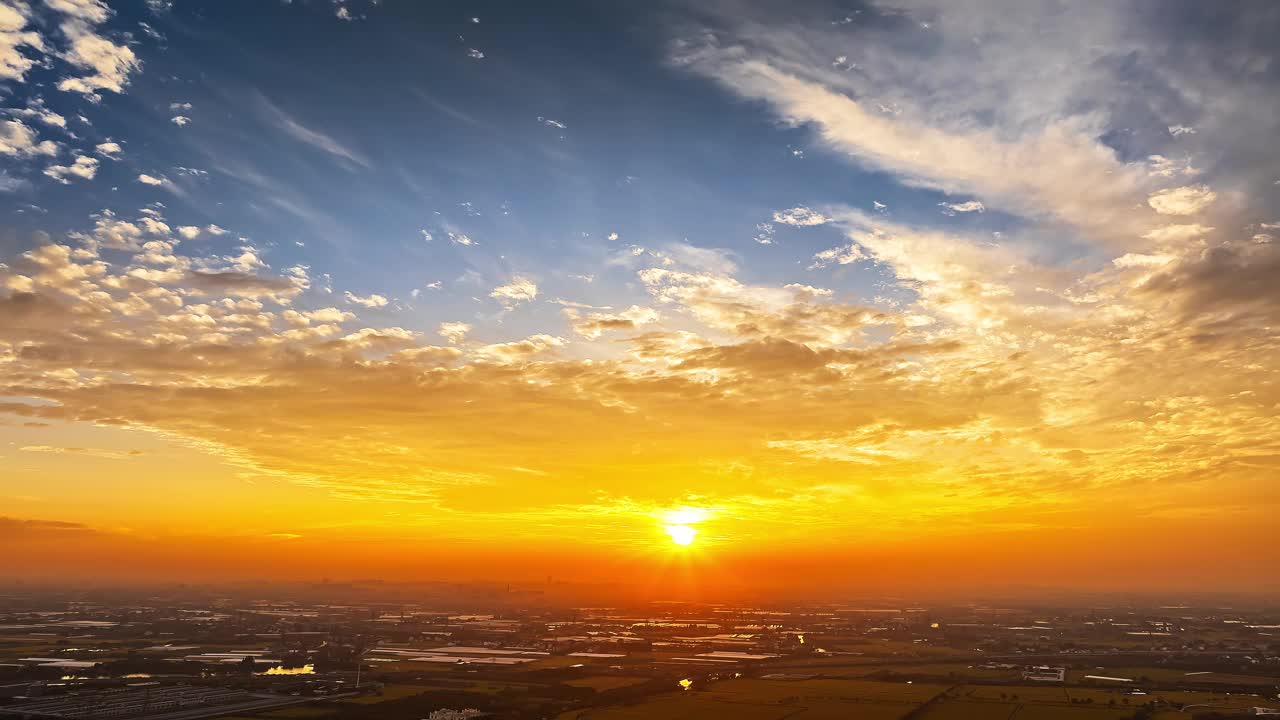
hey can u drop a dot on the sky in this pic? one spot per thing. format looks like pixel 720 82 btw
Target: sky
pixel 894 294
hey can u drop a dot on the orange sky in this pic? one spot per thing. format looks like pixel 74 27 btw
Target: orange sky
pixel 938 308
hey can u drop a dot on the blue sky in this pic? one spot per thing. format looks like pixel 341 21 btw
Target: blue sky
pixel 351 137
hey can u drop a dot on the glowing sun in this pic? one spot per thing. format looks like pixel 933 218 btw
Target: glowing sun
pixel 681 534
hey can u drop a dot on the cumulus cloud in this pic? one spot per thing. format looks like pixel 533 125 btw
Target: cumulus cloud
pixel 83 167
pixel 372 300
pixel 109 149
pixel 18 140
pixel 800 216
pixel 1186 200
pixel 108 64
pixel 15 37
pixel 593 325
pixel 454 332
pixel 519 290
pixel 146 179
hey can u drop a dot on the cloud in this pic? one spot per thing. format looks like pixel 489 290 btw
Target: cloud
pixel 110 150
pixel 37 110
pixel 518 290
pixel 110 64
pixel 520 350
pixel 593 325
pixel 180 120
pixel 86 452
pixel 83 167
pixel 1186 200
pixel 372 300
pixel 800 217
pixel 238 283
pixel 14 38
pixel 964 207
pixel 314 138
pixel 14 529
pixel 1053 168
pixel 1177 233
pixel 18 140
pixel 151 179
pixel 454 332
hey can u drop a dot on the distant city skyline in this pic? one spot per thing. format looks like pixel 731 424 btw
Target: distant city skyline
pixel 714 296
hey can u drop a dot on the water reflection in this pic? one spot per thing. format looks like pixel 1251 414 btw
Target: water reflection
pixel 685 684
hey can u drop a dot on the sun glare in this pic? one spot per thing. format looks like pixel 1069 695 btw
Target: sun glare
pixel 681 534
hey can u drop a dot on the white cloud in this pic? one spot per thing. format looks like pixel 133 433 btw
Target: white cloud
pixel 180 120
pixel 964 207
pixel 842 255
pixel 475 54
pixel 14 36
pixel 426 235
pixel 370 301
pixel 109 149
pixel 109 64
pixel 91 11
pixel 1140 260
pixel 458 238
pixel 1177 130
pixel 146 179
pixel 552 123
pixel 190 232
pixel 18 140
pixel 454 332
pixel 1163 167
pixel 176 106
pixel 1058 169
pixel 36 109
pixel 594 325
pixel 1177 233
pixel 307 136
pixel 800 216
pixel 1185 200
pixel 520 289
pixel 83 167
pixel 613 236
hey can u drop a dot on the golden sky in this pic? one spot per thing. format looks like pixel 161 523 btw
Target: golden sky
pixel 1055 366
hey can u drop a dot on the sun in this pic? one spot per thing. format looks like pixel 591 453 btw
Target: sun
pixel 681 534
